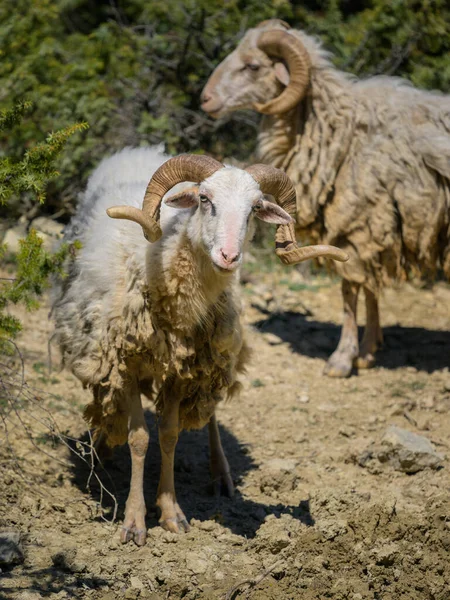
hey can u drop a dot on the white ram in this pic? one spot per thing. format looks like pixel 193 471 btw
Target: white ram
pixel 163 318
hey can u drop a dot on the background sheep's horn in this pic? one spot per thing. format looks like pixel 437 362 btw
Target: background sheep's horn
pixel 187 167
pixel 273 23
pixel 275 182
pixel 282 44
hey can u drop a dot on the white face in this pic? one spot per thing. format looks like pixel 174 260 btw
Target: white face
pixel 226 203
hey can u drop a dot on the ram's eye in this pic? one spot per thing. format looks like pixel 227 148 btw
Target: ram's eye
pixel 204 198
pixel 252 66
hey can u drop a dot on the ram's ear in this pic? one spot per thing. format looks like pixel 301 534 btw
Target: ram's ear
pixel 184 199
pixel 269 212
pixel 281 73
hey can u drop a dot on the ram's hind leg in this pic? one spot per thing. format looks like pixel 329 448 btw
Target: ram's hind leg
pixel 340 363
pixel 373 335
pixel 172 517
pixel 220 469
pixel 134 524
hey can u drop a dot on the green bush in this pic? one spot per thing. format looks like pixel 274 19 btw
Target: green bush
pixel 33 265
pixel 134 69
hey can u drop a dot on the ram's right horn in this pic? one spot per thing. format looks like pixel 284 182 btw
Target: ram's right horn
pixel 275 182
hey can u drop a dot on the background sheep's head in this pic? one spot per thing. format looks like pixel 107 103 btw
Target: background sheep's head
pixel 268 71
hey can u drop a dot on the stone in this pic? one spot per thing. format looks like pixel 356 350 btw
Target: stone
pixel 285 465
pixel 47 226
pixel 272 339
pixel 13 236
pixel 11 551
pixel 404 450
pixel 196 564
pixel 303 398
pixel 136 583
pixel 48 230
pixel 331 528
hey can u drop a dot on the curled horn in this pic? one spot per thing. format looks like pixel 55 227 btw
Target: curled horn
pixel 282 44
pixel 275 182
pixel 273 22
pixel 187 167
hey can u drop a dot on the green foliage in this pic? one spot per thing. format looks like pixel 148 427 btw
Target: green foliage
pixel 134 69
pixel 34 265
pixel 33 171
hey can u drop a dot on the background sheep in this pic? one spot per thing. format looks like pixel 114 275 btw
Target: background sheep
pixel 163 318
pixel 370 161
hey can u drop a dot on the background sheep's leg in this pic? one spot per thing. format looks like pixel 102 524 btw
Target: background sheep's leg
pixel 340 363
pixel 220 469
pixel 172 517
pixel 373 334
pixel 134 523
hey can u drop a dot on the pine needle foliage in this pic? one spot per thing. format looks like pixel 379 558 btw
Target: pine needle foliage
pixel 33 264
pixel 36 168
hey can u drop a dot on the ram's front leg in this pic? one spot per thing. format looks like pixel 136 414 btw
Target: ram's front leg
pixel 373 335
pixel 220 469
pixel 134 524
pixel 172 517
pixel 340 363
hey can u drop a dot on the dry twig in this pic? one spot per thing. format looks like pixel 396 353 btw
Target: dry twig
pixel 251 583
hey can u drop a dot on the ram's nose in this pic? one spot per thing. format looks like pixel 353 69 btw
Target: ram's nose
pixel 229 257
pixel 205 97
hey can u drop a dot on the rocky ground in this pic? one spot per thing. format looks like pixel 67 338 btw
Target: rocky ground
pixel 335 499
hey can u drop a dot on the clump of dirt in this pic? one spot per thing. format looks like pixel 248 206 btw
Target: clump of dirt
pixel 308 520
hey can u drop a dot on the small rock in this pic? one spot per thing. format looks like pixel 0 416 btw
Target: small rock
pixel 47 226
pixel 272 339
pixel 13 236
pixel 286 465
pixel 11 552
pixel 303 398
pixel 331 528
pixel 347 431
pixel 404 450
pixel 196 564
pixel 135 582
pixel 427 402
pixel 279 542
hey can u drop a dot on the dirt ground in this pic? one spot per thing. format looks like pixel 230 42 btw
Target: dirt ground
pixel 307 521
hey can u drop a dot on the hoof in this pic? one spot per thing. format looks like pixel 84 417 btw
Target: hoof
pixel 175 525
pixel 128 534
pixel 365 362
pixel 338 368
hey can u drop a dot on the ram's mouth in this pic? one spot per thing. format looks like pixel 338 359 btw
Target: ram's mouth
pixel 224 270
pixel 213 107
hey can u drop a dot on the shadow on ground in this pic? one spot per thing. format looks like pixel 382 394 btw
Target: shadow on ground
pixel 192 481
pixel 50 581
pixel 424 349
